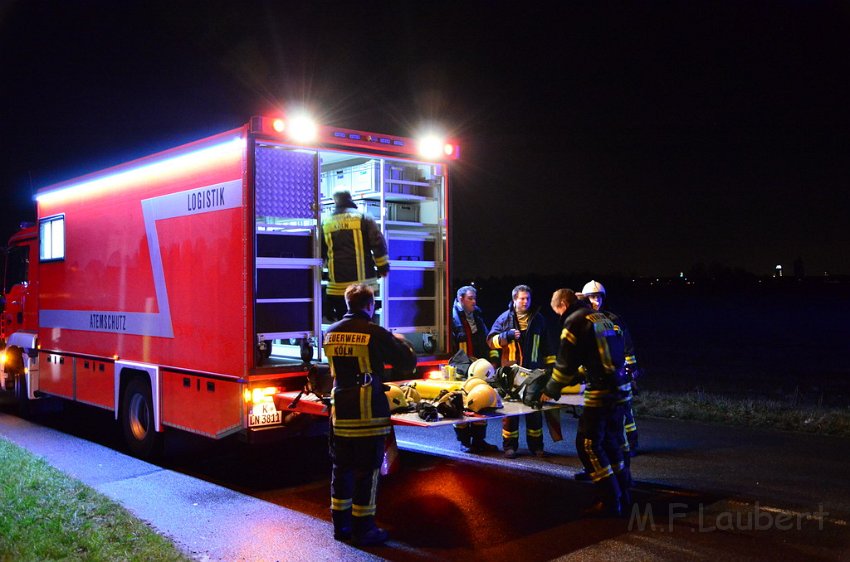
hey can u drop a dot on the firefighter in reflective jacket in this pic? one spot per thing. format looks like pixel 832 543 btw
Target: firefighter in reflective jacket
pixel 592 350
pixel 595 293
pixel 357 350
pixel 354 248
pixel 469 334
pixel 521 337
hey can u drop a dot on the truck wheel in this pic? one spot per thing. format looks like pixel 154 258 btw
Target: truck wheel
pixel 137 421
pixel 22 396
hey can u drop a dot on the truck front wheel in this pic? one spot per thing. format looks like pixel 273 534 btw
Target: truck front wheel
pixel 137 420
pixel 22 396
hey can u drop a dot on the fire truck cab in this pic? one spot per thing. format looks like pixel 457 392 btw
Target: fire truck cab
pixel 183 290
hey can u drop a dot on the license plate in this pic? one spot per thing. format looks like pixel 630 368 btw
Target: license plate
pixel 263 414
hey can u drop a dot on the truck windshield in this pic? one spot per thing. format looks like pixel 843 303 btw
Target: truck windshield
pixel 16 268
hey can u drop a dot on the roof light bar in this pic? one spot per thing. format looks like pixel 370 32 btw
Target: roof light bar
pixel 196 159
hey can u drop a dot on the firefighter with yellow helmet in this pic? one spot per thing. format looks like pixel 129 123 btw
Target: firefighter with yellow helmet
pixel 357 350
pixel 469 334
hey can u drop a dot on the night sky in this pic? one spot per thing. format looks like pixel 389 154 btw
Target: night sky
pixel 640 138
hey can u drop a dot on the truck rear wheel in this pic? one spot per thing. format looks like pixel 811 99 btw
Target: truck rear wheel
pixel 137 420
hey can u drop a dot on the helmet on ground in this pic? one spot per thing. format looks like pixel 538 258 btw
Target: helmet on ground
pixel 395 397
pixel 450 404
pixel 593 287
pixel 411 394
pixel 482 397
pixel 481 369
pixel 472 383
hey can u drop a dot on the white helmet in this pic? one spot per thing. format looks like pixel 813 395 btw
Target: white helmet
pixel 481 369
pixel 482 397
pixel 593 287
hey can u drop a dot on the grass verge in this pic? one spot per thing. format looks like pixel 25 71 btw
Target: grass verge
pixel 765 413
pixel 46 515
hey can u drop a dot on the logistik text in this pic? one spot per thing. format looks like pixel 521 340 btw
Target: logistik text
pixel 205 199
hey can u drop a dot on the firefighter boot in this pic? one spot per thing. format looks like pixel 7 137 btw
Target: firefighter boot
pixel 607 503
pixel 479 444
pixel 342 524
pixel 366 533
pixel 624 481
pixel 462 433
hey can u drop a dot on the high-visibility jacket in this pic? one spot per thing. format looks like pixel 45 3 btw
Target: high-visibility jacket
pixel 354 247
pixel 532 350
pixel 592 349
pixel 357 351
pixel 473 344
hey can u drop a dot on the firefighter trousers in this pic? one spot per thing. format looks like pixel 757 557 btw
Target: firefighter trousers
pixel 354 481
pixel 472 432
pixel 631 427
pixel 600 443
pixel 533 432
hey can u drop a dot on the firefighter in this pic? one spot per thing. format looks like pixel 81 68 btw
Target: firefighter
pixel 520 336
pixel 469 334
pixel 594 292
pixel 592 350
pixel 357 350
pixel 354 249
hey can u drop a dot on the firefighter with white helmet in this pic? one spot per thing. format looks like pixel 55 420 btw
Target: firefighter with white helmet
pixel 469 334
pixel 593 350
pixel 594 292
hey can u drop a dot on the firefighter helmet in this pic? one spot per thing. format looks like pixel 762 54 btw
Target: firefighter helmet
pixel 450 404
pixel 482 397
pixel 410 393
pixel 481 369
pixel 395 397
pixel 593 288
pixel 472 383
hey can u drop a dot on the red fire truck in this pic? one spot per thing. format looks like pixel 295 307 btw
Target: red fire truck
pixel 183 290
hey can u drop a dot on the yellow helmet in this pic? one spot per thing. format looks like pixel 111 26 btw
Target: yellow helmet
pixel 482 397
pixel 411 394
pixel 472 383
pixel 395 397
pixel 481 369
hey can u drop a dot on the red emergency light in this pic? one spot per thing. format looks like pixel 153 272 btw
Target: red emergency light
pixel 297 129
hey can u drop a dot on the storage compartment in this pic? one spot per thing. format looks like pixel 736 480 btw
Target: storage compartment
pixel 372 208
pixel 418 249
pixel 411 313
pixel 284 283
pixel 411 283
pixel 275 317
pixel 403 212
pixel 283 246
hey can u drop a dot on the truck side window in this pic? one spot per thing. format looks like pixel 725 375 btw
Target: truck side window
pixel 52 238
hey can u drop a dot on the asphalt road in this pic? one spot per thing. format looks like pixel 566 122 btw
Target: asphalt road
pixel 703 492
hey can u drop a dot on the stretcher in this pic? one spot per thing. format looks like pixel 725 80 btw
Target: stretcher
pixel 296 401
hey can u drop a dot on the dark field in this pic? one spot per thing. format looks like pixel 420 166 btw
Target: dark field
pixel 782 339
